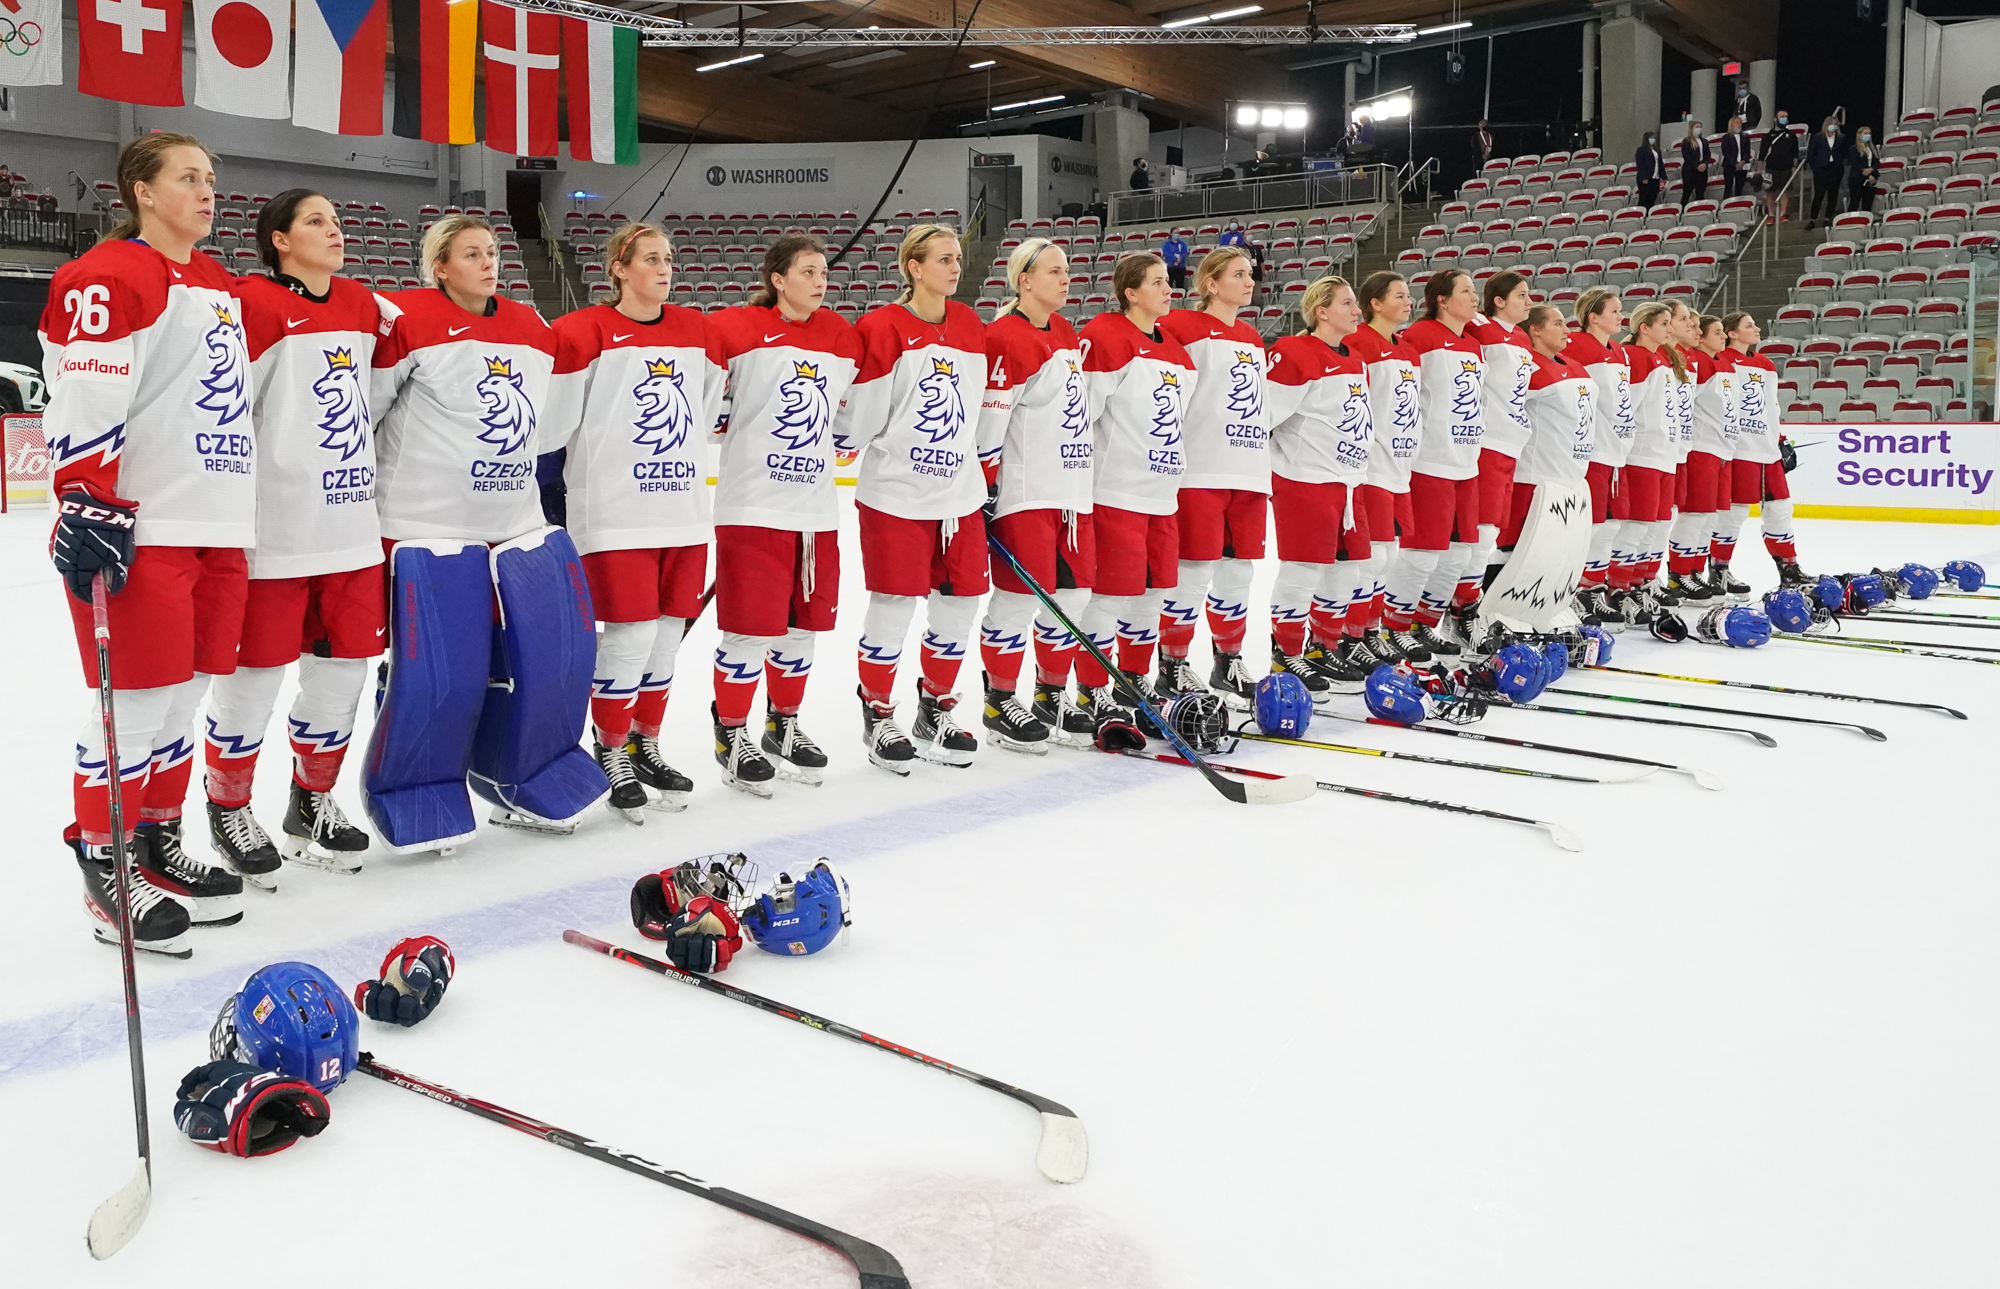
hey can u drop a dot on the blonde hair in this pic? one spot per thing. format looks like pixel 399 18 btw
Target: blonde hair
pixel 1591 303
pixel 1645 316
pixel 912 248
pixel 623 248
pixel 141 161
pixel 439 237
pixel 1319 295
pixel 1212 266
pixel 1019 261
pixel 1129 274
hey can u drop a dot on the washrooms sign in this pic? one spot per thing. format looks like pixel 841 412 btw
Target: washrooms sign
pixel 1936 471
pixel 767 175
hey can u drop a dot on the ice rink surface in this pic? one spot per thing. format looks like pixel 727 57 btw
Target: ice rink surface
pixel 1744 1038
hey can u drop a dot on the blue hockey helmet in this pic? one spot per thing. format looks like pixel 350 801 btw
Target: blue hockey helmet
pixel 1284 706
pixel 1394 695
pixel 1744 627
pixel 1519 672
pixel 1918 582
pixel 1787 610
pixel 1828 593
pixel 796 918
pixel 1965 575
pixel 1595 649
pixel 1555 661
pixel 1864 592
pixel 291 1019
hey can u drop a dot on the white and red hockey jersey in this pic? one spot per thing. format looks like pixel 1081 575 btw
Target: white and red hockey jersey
pixel 1503 389
pixel 1393 385
pixel 786 380
pixel 1714 409
pixel 1562 411
pixel 1139 387
pixel 1656 404
pixel 1318 398
pixel 1450 373
pixel 1756 409
pixel 1227 428
pixel 1034 425
pixel 912 412
pixel 635 404
pixel 312 371
pixel 1684 400
pixel 149 392
pixel 1610 371
pixel 461 398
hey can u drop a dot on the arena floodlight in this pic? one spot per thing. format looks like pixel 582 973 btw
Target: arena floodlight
pixel 1389 107
pixel 1295 118
pixel 1442 27
pixel 1217 16
pixel 1271 117
pixel 1267 116
pixel 1246 115
pixel 730 62
pixel 1031 102
pixel 980 67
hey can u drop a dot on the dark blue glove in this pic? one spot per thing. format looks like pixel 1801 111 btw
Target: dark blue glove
pixel 239 1109
pixel 414 976
pixel 93 536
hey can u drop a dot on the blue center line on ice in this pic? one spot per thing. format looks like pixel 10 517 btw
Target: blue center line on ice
pixel 80 1032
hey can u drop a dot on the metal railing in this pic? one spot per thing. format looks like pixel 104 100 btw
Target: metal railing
pixel 44 231
pixel 1308 190
pixel 1768 248
pixel 552 247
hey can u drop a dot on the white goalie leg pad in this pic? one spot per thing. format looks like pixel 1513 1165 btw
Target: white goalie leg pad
pixel 1535 589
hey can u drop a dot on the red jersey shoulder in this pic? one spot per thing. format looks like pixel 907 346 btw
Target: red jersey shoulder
pixel 1428 334
pixel 1586 349
pixel 1551 371
pixel 1112 340
pixel 962 327
pixel 107 293
pixel 1016 349
pixel 1190 325
pixel 1296 360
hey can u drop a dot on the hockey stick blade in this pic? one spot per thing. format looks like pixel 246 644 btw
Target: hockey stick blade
pixel 119 1218
pixel 1762 739
pixel 1705 778
pixel 1064 1151
pixel 1869 731
pixel 876 1266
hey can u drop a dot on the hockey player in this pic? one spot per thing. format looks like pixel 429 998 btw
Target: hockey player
pixel 637 390
pixel 148 426
pixel 1444 483
pixel 1503 395
pixel 1321 430
pixel 777 564
pixel 1758 478
pixel 1035 446
pixel 1709 473
pixel 1562 416
pixel 315 594
pixel 1225 491
pixel 1139 380
pixel 1593 348
pixel 1384 500
pixel 912 415
pixel 1646 482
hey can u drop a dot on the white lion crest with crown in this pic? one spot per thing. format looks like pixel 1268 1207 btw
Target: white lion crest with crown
pixel 803 410
pixel 343 412
pixel 664 414
pixel 506 413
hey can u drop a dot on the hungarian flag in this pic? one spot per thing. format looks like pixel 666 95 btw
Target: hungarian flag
pixel 338 85
pixel 35 43
pixel 242 56
pixel 130 50
pixel 523 55
pixel 437 42
pixel 601 77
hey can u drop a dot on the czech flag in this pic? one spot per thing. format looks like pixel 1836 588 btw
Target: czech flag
pixel 437 45
pixel 337 86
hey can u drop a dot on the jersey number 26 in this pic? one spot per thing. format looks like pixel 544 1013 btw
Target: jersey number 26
pixel 89 310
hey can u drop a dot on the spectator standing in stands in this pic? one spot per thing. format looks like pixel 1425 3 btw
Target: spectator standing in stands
pixel 1142 178
pixel 1232 235
pixel 1779 153
pixel 1863 171
pixel 1482 146
pixel 1748 105
pixel 1651 167
pixel 1174 251
pixel 1827 156
pixel 1735 157
pixel 1695 159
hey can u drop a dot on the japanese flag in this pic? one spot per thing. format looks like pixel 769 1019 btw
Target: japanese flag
pixel 243 56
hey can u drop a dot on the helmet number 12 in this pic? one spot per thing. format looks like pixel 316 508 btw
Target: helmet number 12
pixel 329 1070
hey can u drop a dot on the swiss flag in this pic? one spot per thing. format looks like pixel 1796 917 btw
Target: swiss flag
pixel 130 50
pixel 243 56
pixel 523 58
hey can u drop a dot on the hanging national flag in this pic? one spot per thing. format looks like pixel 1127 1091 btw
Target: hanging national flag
pixel 601 77
pixel 130 50
pixel 523 54
pixel 437 44
pixel 338 85
pixel 242 56
pixel 31 42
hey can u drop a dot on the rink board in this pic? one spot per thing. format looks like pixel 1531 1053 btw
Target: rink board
pixel 1935 472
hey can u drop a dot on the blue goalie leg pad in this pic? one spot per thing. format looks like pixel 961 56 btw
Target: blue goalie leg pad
pixel 526 757
pixel 440 638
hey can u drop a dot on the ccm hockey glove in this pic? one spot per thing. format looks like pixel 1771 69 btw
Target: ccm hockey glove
pixel 701 933
pixel 414 976
pixel 92 536
pixel 241 1110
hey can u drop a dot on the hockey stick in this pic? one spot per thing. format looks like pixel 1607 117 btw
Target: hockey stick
pixel 1951 645
pixel 699 609
pixel 1706 778
pixel 1782 689
pixel 1763 739
pixel 1873 645
pixel 877 1267
pixel 1563 837
pixel 1064 1151
pixel 1286 788
pixel 1868 730
pixel 1974 621
pixel 1254 737
pixel 117 1219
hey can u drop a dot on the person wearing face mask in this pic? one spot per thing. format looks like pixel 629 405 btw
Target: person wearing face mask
pixel 1748 106
pixel 1779 153
pixel 1828 158
pixel 1695 159
pixel 1735 157
pixel 1651 167
pixel 1863 171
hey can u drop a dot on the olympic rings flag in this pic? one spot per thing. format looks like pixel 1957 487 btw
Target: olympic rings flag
pixel 31 51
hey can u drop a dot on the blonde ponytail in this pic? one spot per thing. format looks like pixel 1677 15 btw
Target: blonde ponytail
pixel 1021 259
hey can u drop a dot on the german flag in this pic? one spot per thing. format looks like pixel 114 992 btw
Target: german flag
pixel 437 42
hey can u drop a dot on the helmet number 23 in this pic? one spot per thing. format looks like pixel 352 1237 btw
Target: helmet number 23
pixel 88 309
